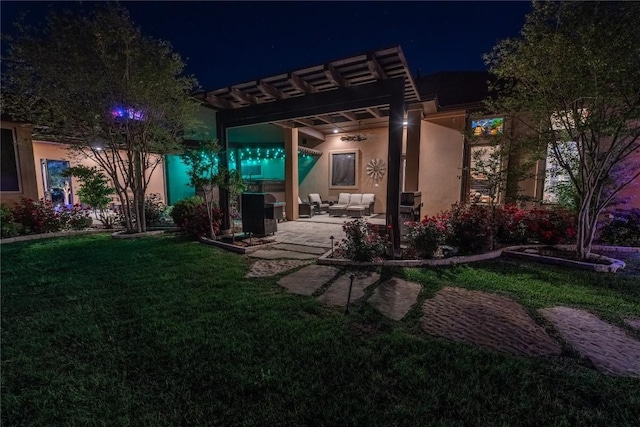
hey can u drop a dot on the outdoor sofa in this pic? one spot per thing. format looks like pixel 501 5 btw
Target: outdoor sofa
pixel 353 205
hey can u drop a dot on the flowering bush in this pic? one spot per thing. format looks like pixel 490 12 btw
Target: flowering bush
pixel 37 216
pixel 510 224
pixel 363 242
pixel 190 215
pixel 551 226
pixel 623 229
pixel 75 217
pixel 425 236
pixel 469 228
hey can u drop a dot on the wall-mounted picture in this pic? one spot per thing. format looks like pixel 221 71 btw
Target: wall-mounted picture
pixel 488 127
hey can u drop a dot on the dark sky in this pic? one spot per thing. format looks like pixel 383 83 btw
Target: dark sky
pixel 225 43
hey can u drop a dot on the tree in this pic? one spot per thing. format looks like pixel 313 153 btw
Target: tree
pixel 92 80
pixel 201 158
pixel 572 78
pixel 94 190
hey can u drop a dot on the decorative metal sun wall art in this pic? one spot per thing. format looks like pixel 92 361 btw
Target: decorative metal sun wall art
pixel 376 169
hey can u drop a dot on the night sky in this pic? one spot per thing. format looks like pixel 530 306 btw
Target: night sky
pixel 225 43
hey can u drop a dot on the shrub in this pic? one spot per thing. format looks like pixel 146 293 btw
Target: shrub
pixel 510 224
pixel 424 237
pixel 37 216
pixel 190 215
pixel 469 228
pixel 75 218
pixel 551 226
pixel 363 241
pixel 8 226
pixel 184 208
pixel 154 209
pixel 623 229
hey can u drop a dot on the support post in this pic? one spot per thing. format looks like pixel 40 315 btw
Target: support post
pixel 411 179
pixel 396 116
pixel 291 173
pixel 223 162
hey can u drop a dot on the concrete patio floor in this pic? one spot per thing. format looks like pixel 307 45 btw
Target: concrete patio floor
pixel 317 230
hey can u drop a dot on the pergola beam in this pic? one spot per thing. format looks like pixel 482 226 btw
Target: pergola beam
pixel 270 90
pixel 334 76
pixel 216 101
pixel 304 122
pixel 375 112
pixel 349 115
pixel 374 68
pixel 312 133
pixel 300 84
pixel 243 96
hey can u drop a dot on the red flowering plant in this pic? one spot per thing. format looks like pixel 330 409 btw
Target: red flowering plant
pixel 201 223
pixel 551 226
pixel 510 224
pixel 425 236
pixel 470 228
pixel 37 216
pixel 363 242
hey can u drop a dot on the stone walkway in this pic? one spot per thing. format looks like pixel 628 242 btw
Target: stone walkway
pixel 487 320
pixel 608 347
pixel 479 318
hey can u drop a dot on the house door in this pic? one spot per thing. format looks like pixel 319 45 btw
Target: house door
pixel 57 188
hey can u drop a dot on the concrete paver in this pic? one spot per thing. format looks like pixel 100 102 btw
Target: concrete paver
pixel 278 254
pixel 634 323
pixel 608 347
pixel 395 297
pixel 308 279
pixel 300 248
pixel 487 320
pixel 267 268
pixel 338 292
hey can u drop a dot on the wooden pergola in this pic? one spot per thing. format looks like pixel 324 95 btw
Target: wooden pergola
pixel 372 88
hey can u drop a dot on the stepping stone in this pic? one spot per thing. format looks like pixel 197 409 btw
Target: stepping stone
pixel 608 347
pixel 486 320
pixel 278 254
pixel 262 268
pixel 634 323
pixel 309 279
pixel 300 248
pixel 338 293
pixel 395 297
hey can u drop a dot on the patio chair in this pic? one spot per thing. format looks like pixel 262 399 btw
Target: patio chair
pixel 340 208
pixel 319 205
pixel 305 208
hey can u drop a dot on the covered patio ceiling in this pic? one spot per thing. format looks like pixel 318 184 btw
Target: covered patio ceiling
pixel 347 72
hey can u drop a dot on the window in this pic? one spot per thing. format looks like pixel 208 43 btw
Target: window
pixel 556 178
pixel 488 127
pixel 10 179
pixel 251 170
pixel 344 169
pixel 485 173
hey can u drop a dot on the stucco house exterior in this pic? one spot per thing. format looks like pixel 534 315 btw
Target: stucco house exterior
pixel 362 124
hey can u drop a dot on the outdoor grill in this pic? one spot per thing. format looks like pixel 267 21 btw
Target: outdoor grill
pixel 410 204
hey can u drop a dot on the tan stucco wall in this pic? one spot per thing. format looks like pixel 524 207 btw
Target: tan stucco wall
pixel 441 150
pixel 376 146
pixel 55 151
pixel 26 172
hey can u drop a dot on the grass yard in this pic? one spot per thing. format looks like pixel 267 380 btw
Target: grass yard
pixel 164 331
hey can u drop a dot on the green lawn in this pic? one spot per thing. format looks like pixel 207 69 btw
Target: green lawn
pixel 164 331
